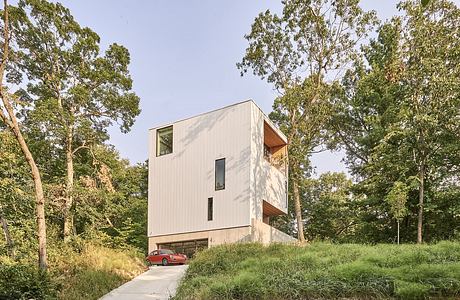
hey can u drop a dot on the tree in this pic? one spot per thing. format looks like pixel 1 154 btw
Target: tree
pixel 396 113
pixel 112 202
pixel 76 93
pixel 331 210
pixel 10 120
pixel 397 198
pixel 431 94
pixel 299 53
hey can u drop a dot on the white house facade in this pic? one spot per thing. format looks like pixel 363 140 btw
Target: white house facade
pixel 216 178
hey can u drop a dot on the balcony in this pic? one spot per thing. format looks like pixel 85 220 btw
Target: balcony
pixel 274 173
pixel 275 149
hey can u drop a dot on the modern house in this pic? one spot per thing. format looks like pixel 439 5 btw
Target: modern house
pixel 216 178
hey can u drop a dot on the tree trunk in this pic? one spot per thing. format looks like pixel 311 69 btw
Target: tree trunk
pixel 421 192
pixel 9 240
pixel 12 123
pixel 68 217
pixel 298 211
pixel 39 196
pixel 398 231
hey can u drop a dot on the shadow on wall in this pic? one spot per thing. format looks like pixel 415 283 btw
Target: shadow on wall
pixel 269 182
pixel 202 125
pixel 265 234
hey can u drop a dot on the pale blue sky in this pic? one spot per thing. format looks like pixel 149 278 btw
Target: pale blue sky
pixel 183 56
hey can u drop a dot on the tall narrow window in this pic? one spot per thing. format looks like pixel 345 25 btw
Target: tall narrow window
pixel 210 208
pixel 220 174
pixel 164 140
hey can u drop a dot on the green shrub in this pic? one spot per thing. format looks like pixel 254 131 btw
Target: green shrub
pixel 19 281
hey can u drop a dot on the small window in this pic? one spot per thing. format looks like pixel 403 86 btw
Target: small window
pixel 210 208
pixel 220 174
pixel 164 140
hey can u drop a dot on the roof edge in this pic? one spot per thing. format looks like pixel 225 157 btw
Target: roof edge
pixel 202 114
pixel 267 119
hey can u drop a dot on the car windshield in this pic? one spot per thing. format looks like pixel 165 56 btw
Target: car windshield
pixel 167 252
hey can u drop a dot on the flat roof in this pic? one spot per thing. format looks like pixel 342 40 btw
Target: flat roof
pixel 267 119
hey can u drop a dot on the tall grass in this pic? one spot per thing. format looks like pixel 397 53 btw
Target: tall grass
pixel 94 271
pixel 324 271
pixel 78 270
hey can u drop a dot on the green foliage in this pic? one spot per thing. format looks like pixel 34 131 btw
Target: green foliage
pixel 397 199
pixel 298 52
pixel 68 75
pixel 324 271
pixel 25 281
pixel 396 116
pixel 330 210
pixel 70 95
pixel 80 269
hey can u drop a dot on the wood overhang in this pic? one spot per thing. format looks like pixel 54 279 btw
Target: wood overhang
pixel 271 137
pixel 270 210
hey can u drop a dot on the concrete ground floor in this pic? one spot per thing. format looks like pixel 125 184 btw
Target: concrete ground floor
pixel 190 242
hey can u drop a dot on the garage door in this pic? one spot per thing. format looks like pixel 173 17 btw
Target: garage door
pixel 188 248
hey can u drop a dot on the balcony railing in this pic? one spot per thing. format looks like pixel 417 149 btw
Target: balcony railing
pixel 278 163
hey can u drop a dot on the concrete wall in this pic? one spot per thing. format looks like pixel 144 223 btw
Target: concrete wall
pixel 215 237
pixel 180 183
pixel 257 232
pixel 265 234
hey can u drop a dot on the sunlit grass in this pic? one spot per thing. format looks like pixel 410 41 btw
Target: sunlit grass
pixel 324 271
pixel 94 271
pixel 77 270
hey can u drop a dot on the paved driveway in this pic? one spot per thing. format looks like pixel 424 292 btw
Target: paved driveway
pixel 157 283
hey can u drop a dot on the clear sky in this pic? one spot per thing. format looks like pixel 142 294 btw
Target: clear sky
pixel 183 56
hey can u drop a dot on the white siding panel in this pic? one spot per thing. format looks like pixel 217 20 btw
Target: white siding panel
pixel 180 183
pixel 267 183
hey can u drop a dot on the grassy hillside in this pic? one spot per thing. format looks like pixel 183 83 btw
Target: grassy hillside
pixel 95 271
pixel 324 271
pixel 82 271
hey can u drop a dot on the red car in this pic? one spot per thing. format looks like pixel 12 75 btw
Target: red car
pixel 165 257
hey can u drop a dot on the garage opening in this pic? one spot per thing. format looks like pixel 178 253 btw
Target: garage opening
pixel 188 248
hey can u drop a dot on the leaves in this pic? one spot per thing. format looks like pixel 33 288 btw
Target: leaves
pixel 397 198
pixel 298 52
pixel 395 111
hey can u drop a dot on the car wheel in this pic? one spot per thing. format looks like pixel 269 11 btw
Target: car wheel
pixel 164 262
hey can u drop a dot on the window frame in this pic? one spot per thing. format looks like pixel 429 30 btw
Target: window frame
pixel 210 208
pixel 216 187
pixel 158 132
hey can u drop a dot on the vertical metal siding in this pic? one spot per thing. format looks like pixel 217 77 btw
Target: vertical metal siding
pixel 180 183
pixel 267 183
